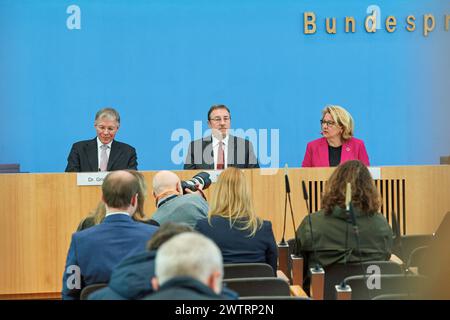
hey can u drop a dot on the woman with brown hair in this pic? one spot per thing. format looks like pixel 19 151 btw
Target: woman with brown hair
pixel 99 213
pixel 334 240
pixel 233 225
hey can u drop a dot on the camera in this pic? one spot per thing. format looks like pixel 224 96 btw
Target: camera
pixel 201 178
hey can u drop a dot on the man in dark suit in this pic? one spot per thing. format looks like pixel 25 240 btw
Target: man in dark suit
pixel 221 149
pixel 102 153
pixel 189 266
pixel 94 252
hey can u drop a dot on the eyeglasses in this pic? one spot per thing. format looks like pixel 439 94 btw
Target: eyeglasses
pixel 328 123
pixel 218 119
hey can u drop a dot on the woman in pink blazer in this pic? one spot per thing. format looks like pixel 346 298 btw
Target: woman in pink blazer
pixel 337 144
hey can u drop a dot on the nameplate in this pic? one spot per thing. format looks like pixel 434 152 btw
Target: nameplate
pixel 375 172
pixel 91 178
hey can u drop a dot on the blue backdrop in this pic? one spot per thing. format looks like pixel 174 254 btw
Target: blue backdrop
pixel 162 64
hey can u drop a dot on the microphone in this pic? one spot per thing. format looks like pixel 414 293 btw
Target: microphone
pixel 286 179
pixel 288 198
pixel 352 216
pixel 348 196
pixel 305 196
pixel 288 191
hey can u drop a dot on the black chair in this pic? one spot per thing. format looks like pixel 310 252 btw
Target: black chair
pixel 10 168
pixel 274 298
pixel 418 259
pixel 410 285
pixel 396 296
pixel 257 287
pixel 408 243
pixel 335 274
pixel 247 270
pixel 86 291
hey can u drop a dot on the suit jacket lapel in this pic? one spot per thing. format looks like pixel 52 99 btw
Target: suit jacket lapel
pixel 232 151
pixel 207 143
pixel 116 150
pixel 324 156
pixel 92 154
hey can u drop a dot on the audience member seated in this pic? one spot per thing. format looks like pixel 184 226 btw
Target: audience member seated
pixel 98 215
pixel 334 238
pixel 131 279
pixel 188 267
pixel 173 205
pixel 233 225
pixel 94 252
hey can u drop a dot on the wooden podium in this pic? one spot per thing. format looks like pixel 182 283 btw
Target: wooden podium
pixel 39 213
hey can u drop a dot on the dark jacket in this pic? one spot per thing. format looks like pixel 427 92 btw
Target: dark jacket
pixel 131 280
pixel 330 242
pixel 83 157
pixel 184 288
pixel 240 154
pixel 237 246
pixel 96 251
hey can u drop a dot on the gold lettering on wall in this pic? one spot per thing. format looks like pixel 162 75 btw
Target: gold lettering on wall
pixel 410 20
pixel 349 20
pixel 331 29
pixel 427 28
pixel 447 21
pixel 372 18
pixel 391 24
pixel 309 23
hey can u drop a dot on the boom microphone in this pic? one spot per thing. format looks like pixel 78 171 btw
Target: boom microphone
pixel 305 196
pixel 286 179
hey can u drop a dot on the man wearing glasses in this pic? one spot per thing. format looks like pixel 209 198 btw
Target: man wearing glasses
pixel 102 153
pixel 221 149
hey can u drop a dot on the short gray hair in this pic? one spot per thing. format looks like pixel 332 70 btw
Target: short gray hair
pixel 188 254
pixel 109 113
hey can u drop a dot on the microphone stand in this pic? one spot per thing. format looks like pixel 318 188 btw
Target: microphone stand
pixel 317 272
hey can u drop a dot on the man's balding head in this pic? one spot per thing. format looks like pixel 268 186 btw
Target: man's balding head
pixel 119 189
pixel 165 181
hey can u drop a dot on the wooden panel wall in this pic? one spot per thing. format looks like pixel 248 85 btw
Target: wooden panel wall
pixel 39 212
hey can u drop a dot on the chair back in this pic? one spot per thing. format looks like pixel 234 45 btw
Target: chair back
pixel 335 274
pixel 363 288
pixel 10 168
pixel 275 298
pixel 257 287
pixel 247 270
pixel 86 291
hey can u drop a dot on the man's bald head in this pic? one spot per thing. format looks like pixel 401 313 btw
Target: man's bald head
pixel 119 187
pixel 165 181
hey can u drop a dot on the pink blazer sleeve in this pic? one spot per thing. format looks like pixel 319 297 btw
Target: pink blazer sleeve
pixel 307 159
pixel 362 155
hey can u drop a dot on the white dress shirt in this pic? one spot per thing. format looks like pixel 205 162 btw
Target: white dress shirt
pixel 118 212
pixel 215 144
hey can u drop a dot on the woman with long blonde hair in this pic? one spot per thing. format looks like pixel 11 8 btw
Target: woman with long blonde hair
pixel 233 224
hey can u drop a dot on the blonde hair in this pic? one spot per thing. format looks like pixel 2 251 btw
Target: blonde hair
pixel 342 118
pixel 231 199
pixel 100 211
